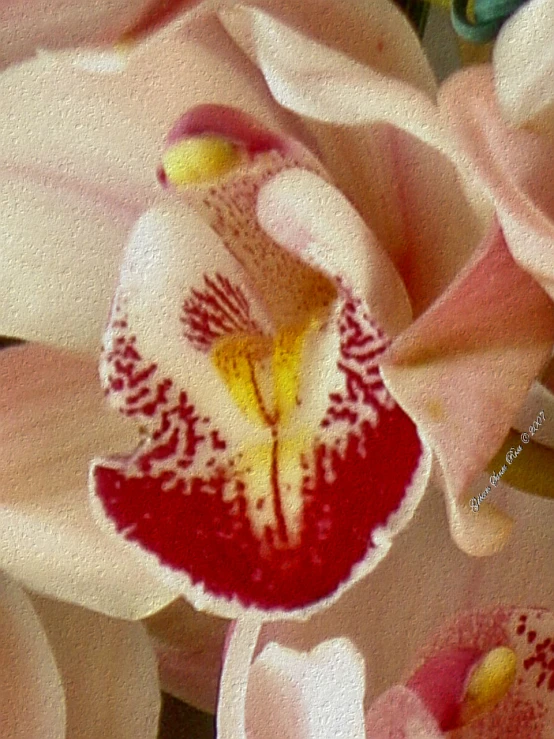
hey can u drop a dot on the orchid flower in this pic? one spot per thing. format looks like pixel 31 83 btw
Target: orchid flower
pixel 69 672
pixel 424 648
pixel 336 250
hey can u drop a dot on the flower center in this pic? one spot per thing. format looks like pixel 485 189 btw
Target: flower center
pixel 262 373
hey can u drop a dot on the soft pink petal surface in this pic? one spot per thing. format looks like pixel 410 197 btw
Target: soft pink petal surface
pixel 57 23
pixel 316 222
pixel 53 422
pixel 463 370
pixel 81 149
pixel 409 193
pixel 108 670
pixel 514 163
pixel 523 61
pixel 32 702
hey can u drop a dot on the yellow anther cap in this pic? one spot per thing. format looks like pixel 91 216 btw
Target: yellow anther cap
pixel 488 684
pixel 199 159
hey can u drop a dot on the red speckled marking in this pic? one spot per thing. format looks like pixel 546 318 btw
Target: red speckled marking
pixel 180 497
pixel 220 309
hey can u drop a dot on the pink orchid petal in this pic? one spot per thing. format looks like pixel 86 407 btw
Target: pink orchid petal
pixel 32 702
pixel 452 360
pixel 108 670
pixel 315 222
pixel 318 695
pixel 320 82
pixel 376 35
pixel 539 398
pixel 48 233
pixel 53 422
pixel 59 23
pixel 523 61
pixel 82 147
pixel 189 647
pixel 158 370
pixel 513 163
pixel 400 714
pixel 526 710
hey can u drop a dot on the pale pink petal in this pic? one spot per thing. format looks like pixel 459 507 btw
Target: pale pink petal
pixel 157 368
pixel 375 34
pixel 523 60
pixel 53 423
pixel 59 259
pixel 189 648
pixel 59 23
pixel 400 714
pixel 418 212
pixel 317 223
pixel 320 82
pixel 82 146
pixel 32 700
pixel 513 163
pixel 315 695
pixel 538 406
pixel 464 368
pixel 108 670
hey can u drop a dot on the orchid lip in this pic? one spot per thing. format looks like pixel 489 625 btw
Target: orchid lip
pixel 231 123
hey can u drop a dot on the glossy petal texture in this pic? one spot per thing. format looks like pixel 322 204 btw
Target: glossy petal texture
pixel 514 163
pixel 189 648
pixel 463 378
pixel 318 695
pixel 409 193
pixel 526 710
pixel 82 135
pixel 256 381
pixel 108 670
pixel 59 23
pixel 32 702
pixel 523 61
pixel 53 421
